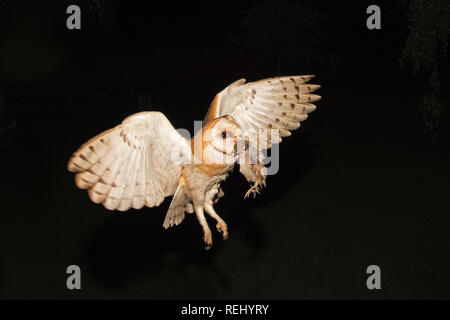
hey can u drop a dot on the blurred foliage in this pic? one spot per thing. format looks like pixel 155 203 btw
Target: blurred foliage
pixel 429 27
pixel 29 50
pixel 7 124
pixel 427 41
pixel 2 102
pixel 98 7
pixel 284 30
pixel 432 108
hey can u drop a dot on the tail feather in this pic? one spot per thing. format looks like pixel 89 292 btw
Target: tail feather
pixel 179 205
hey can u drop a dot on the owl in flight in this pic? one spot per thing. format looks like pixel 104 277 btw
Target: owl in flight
pixel 144 159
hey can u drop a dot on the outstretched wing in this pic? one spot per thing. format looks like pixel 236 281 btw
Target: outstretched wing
pixel 136 163
pixel 276 103
pixel 266 111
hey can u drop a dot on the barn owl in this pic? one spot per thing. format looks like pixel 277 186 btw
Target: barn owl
pixel 144 159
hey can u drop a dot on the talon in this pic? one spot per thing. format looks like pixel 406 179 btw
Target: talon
pixel 253 190
pixel 208 240
pixel 222 228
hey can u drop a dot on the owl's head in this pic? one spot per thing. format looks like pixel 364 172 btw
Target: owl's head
pixel 220 138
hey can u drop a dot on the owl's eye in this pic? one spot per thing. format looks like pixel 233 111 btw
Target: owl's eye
pixel 225 134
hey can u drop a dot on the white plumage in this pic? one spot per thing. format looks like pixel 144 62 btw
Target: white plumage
pixel 144 159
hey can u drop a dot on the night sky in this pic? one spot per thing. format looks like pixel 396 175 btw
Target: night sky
pixel 357 185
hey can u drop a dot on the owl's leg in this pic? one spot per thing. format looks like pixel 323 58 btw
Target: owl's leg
pixel 221 225
pixel 207 237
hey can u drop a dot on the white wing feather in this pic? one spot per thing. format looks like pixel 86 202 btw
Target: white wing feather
pixel 276 103
pixel 136 163
pixel 258 107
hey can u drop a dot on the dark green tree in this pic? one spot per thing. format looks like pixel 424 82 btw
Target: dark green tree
pixel 283 30
pixel 7 123
pixel 426 44
pixel 98 7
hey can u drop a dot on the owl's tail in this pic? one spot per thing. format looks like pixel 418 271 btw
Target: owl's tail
pixel 179 205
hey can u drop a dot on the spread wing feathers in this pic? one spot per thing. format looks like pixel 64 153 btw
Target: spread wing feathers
pixel 276 103
pixel 179 205
pixel 266 111
pixel 136 163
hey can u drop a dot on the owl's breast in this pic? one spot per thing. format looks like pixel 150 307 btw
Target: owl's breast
pixel 201 178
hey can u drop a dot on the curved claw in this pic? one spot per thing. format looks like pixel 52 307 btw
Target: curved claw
pixel 208 240
pixel 223 229
pixel 253 190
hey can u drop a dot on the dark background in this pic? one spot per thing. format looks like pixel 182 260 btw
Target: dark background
pixel 357 184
